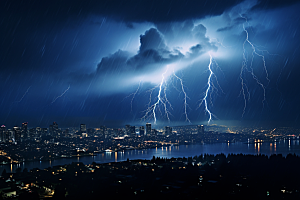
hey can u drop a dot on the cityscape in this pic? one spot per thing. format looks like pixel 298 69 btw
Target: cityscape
pixel 20 144
pixel 189 176
pixel 149 99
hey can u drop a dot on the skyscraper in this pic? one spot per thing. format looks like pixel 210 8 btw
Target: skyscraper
pixel 38 131
pixel 17 134
pixel 148 129
pixel 83 130
pixel 103 132
pixel 132 131
pixel 142 131
pixel 53 129
pixel 127 129
pixel 90 131
pixel 2 133
pixel 44 131
pixel 24 129
pixel 66 132
pixel 168 130
pixel 200 129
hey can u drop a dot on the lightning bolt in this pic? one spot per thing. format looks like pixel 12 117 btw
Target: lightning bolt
pixel 185 98
pixel 244 88
pixel 133 95
pixel 60 95
pixel 209 86
pixel 161 99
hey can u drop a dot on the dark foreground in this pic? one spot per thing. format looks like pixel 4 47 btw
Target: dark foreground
pixel 201 177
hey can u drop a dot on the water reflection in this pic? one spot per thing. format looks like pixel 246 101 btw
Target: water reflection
pixel 108 155
pixel 169 152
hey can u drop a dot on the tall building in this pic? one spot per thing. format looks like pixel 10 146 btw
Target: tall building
pixel 66 132
pixel 83 130
pixel 38 131
pixel 32 133
pixel 90 131
pixel 44 131
pixel 127 129
pixel 10 134
pixel 142 131
pixel 53 129
pixel 2 133
pixel 132 131
pixel 168 130
pixel 200 129
pixel 24 129
pixel 17 134
pixel 103 132
pixel 148 129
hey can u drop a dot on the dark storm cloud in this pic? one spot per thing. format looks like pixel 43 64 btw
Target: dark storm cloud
pixel 31 28
pixel 163 11
pixel 152 39
pixel 150 57
pixel 121 10
pixel 102 52
pixel 196 49
pixel 273 4
pixel 153 50
pixel 200 33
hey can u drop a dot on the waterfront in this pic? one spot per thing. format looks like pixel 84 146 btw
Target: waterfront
pixel 283 147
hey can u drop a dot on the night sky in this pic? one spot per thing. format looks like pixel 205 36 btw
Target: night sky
pixel 130 62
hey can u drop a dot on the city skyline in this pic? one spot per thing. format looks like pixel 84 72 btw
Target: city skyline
pixel 166 63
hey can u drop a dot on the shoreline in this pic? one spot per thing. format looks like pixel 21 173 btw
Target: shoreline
pixel 95 153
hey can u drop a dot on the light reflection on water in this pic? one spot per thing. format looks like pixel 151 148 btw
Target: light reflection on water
pixel 278 147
